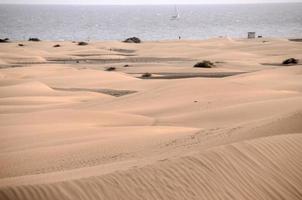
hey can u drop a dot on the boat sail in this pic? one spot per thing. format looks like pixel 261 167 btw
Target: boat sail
pixel 176 15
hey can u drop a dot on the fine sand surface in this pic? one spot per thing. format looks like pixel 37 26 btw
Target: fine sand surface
pixel 71 130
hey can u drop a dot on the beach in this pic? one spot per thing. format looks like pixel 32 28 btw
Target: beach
pixel 113 120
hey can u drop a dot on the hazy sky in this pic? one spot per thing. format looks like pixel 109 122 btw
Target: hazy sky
pixel 139 1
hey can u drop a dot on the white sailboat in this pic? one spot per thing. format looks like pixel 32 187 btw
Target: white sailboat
pixel 176 15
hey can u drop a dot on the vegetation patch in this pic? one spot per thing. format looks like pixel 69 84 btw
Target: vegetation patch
pixel 133 40
pixel 110 69
pixel 146 75
pixel 82 43
pixel 34 39
pixel 290 61
pixel 204 64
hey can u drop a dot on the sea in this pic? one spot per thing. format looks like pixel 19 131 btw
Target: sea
pixel 99 22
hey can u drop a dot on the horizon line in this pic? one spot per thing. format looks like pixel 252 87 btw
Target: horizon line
pixel 83 4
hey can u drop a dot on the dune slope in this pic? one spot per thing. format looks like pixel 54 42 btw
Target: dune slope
pixel 268 168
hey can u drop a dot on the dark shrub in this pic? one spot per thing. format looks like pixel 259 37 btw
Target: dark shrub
pixel 146 75
pixel 133 40
pixel 6 40
pixel 82 43
pixel 204 64
pixel 296 40
pixel 290 61
pixel 126 65
pixel 21 45
pixel 111 69
pixel 34 39
pixel 57 45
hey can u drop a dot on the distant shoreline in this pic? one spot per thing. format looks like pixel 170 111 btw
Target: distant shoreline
pixel 197 4
pixel 293 39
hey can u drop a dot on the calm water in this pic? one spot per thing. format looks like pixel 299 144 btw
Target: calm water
pixel 149 22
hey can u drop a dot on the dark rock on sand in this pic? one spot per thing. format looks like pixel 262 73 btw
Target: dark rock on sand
pixel 204 64
pixel 290 61
pixel 57 45
pixel 133 40
pixel 34 39
pixel 21 45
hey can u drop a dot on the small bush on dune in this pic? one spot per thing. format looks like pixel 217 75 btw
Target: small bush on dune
pixel 146 75
pixel 111 69
pixel 34 39
pixel 57 45
pixel 133 40
pixel 290 61
pixel 204 64
pixel 82 43
pixel 5 40
pixel 21 45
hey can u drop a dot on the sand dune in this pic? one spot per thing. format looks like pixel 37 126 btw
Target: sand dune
pixel 65 135
pixel 266 168
pixel 26 89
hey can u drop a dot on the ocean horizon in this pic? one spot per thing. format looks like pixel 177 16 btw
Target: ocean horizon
pixel 151 22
